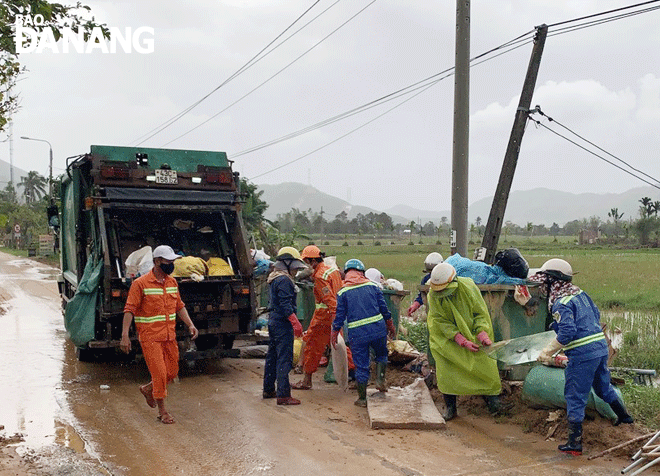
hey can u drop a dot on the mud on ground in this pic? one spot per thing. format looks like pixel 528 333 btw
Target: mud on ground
pixel 599 434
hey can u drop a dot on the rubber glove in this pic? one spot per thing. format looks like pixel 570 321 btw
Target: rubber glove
pixel 391 331
pixel 549 350
pixel 413 307
pixel 484 339
pixel 333 338
pixel 297 327
pixel 463 342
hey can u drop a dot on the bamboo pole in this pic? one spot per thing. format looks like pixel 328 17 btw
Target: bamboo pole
pixel 622 445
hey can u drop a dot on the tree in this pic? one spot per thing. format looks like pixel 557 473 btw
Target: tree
pixel 615 216
pixel 647 207
pixel 54 16
pixel 9 194
pixel 34 186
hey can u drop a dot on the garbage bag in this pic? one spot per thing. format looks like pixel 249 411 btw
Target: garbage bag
pixel 80 312
pixel 512 262
pixel 218 267
pixel 186 266
pixel 139 262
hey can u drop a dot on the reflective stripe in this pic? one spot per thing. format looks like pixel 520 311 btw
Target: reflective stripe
pixel 159 318
pixel 172 290
pixel 365 321
pixel 565 299
pixel 327 273
pixel 348 288
pixel 320 305
pixel 148 291
pixel 585 340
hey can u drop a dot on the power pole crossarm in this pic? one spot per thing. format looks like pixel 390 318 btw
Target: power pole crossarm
pixel 494 225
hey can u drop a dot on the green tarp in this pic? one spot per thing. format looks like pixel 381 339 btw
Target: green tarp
pixel 80 312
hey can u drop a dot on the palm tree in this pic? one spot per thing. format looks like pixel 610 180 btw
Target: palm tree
pixel 647 207
pixel 614 214
pixel 34 186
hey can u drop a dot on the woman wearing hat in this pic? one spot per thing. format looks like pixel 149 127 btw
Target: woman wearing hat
pixel 458 322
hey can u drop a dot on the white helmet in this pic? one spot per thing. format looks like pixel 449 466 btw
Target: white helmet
pixel 441 276
pixel 558 268
pixel 431 260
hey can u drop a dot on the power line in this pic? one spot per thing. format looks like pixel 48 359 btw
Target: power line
pixel 603 13
pixel 601 21
pixel 518 42
pixel 243 68
pixel 273 76
pixel 341 137
pixel 538 122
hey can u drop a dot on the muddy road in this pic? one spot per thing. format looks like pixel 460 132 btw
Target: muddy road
pixel 80 418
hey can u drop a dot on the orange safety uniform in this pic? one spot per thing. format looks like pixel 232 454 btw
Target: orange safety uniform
pixel 327 281
pixel 154 305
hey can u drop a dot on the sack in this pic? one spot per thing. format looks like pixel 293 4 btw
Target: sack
pixel 512 262
pixel 139 262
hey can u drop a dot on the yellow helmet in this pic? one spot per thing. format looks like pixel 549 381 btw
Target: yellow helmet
pixel 288 253
pixel 441 276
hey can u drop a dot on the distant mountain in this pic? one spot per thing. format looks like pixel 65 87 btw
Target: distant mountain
pixel 539 206
pixel 282 197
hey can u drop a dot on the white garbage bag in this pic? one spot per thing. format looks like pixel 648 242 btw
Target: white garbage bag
pixel 139 262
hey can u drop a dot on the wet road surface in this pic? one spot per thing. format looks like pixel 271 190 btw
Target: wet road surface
pixel 89 418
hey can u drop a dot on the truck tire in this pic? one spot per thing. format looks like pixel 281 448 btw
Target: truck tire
pixel 228 341
pixel 84 354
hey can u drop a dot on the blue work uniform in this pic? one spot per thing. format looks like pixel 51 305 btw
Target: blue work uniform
pixel 364 309
pixel 423 283
pixel 577 323
pixel 279 358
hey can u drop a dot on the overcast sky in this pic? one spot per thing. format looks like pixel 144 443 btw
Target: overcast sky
pixel 602 82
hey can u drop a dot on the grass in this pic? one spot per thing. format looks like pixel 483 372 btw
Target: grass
pixel 614 277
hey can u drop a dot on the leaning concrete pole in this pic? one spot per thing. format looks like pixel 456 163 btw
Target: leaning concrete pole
pixel 459 178
pixel 494 225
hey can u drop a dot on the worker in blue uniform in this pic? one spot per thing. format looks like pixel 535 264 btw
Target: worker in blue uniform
pixel 361 304
pixel 579 334
pixel 283 325
pixel 431 260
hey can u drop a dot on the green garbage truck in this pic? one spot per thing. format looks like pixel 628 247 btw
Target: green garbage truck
pixel 117 202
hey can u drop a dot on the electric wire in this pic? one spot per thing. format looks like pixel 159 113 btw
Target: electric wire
pixel 522 40
pixel 242 69
pixel 603 13
pixel 273 76
pixel 582 26
pixel 539 123
pixel 341 137
pixel 550 119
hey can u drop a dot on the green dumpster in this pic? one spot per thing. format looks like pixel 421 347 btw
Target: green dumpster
pixel 393 300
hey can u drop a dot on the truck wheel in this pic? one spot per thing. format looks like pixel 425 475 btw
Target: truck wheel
pixel 228 342
pixel 84 354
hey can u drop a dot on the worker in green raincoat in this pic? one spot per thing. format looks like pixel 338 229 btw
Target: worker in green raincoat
pixel 457 319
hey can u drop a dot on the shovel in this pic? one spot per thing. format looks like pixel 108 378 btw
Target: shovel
pixel 520 350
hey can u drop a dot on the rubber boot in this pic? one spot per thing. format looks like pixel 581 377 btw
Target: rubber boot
pixel 381 385
pixel 495 405
pixel 622 415
pixel 450 403
pixel 362 395
pixel 574 444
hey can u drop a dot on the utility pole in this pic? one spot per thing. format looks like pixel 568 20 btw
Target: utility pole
pixel 459 178
pixel 494 226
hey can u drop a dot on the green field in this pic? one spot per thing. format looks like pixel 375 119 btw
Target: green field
pixel 613 277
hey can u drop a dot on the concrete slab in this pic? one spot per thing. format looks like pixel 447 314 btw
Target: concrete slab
pixel 410 407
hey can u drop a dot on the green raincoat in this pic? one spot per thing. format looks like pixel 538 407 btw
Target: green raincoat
pixel 460 308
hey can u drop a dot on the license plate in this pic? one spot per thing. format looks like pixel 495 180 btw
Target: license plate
pixel 166 176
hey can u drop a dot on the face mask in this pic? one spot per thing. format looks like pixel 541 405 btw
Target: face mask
pixel 167 268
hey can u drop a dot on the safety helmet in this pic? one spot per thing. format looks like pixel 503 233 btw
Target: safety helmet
pixel 373 275
pixel 441 275
pixel 558 268
pixel 354 264
pixel 288 253
pixel 311 251
pixel 431 260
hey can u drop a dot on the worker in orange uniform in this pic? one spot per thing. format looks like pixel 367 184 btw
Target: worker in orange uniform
pixel 327 281
pixel 154 302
